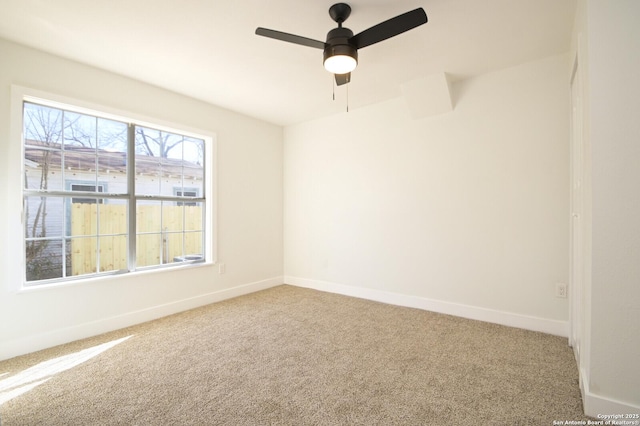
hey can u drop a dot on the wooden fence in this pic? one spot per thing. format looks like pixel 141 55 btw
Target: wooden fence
pixel 164 233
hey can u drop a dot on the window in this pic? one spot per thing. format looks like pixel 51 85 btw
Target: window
pixel 185 192
pixel 106 195
pixel 84 188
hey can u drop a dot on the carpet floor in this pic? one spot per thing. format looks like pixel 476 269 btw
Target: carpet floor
pixel 293 356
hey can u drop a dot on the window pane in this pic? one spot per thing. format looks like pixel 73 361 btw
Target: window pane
pixel 148 175
pixel 148 249
pixel 148 142
pixel 166 161
pixel 172 217
pixel 113 218
pixel 172 163
pixel 194 151
pixel 193 217
pixel 43 259
pixel 80 165
pixel 79 131
pixel 113 253
pixel 112 173
pixel 112 136
pixel 148 216
pixel 42 125
pixel 193 175
pixel 147 162
pixel 84 219
pixel 42 169
pixel 190 244
pixel 171 183
pixel 44 217
pixel 174 243
pixel 193 244
pixel 106 253
pixel 172 146
pixel 84 259
pixel 193 166
pixel 97 217
pixel 193 178
pixel 112 155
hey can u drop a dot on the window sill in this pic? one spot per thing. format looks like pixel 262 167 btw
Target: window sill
pixel 111 276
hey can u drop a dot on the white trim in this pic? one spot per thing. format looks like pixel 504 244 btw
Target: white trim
pixel 19 94
pixel 28 344
pixel 14 240
pixel 81 106
pixel 595 405
pixel 555 327
pixel 85 280
pixel 211 197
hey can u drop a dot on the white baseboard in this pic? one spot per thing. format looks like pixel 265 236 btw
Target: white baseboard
pixel 557 328
pixel 38 342
pixel 597 405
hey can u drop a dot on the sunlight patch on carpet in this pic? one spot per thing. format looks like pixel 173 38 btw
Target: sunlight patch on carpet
pixel 32 377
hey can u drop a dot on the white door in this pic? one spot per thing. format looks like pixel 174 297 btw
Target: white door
pixel 576 284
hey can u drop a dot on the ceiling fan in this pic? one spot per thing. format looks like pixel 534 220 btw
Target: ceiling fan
pixel 341 47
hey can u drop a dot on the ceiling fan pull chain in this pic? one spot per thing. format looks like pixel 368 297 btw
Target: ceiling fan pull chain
pixel 333 86
pixel 347 97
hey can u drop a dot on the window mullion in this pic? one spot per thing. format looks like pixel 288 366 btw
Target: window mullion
pixel 131 191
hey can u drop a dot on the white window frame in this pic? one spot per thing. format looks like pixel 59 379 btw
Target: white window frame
pixel 20 94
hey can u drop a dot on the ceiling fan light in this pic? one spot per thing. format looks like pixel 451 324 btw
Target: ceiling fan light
pixel 340 64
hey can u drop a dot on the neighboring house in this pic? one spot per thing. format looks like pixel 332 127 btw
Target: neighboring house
pixel 91 170
pixel 157 176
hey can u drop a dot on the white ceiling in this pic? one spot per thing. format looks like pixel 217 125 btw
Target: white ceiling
pixel 207 49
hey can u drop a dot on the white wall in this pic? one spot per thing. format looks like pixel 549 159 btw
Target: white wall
pixel 607 41
pixel 465 208
pixel 249 215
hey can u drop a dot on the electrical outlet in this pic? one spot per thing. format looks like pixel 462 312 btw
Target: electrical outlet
pixel 561 290
pixel 221 268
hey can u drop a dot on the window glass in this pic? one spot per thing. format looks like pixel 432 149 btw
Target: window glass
pixel 112 155
pixel 44 259
pixel 42 125
pixel 42 168
pixel 43 217
pixel 79 132
pixel 67 235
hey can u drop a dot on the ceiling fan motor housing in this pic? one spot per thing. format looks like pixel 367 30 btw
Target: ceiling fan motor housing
pixel 338 44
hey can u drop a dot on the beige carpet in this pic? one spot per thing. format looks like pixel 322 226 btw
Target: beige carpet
pixel 294 356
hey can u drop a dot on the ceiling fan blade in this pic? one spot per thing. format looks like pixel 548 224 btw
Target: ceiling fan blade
pixel 291 38
pixel 343 78
pixel 389 28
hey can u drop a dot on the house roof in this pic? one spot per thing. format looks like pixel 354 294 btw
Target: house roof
pixel 208 50
pixel 79 158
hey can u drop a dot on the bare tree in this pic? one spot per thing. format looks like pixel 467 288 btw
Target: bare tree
pixel 42 126
pixel 46 128
pixel 156 143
